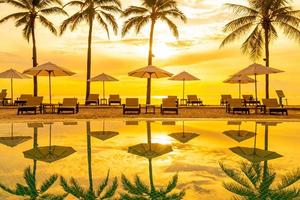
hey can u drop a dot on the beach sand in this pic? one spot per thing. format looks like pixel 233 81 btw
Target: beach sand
pixel 10 114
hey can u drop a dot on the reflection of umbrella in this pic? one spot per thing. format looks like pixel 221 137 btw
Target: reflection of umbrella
pixel 12 74
pixel 183 136
pixel 103 135
pixel 184 76
pixel 150 72
pixel 257 69
pixel 168 123
pixel 48 69
pixel 238 135
pixel 131 123
pixel 255 155
pixel 49 153
pixel 103 77
pixel 13 141
pixel 240 80
pixel 70 123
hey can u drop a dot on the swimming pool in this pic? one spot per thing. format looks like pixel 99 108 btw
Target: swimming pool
pixel 147 157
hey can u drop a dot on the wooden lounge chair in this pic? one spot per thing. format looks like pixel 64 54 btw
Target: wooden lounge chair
pixel 281 97
pixel 69 104
pixel 22 99
pixel 194 100
pixel 273 106
pixel 114 99
pixel 174 98
pixel 132 106
pixel 225 99
pixel 236 105
pixel 32 105
pixel 169 105
pixel 92 99
pixel 2 97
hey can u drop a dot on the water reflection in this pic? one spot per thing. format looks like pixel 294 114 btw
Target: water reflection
pixel 12 140
pixel 183 136
pixel 139 189
pixel 238 135
pixel 255 179
pixel 104 190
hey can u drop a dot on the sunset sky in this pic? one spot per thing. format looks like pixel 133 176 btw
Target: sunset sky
pixel 197 51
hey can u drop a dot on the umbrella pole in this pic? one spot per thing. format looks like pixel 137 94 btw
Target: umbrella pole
pixel 12 130
pixel 183 88
pixel 50 135
pixel 103 89
pixel 240 89
pixel 255 87
pixel 11 89
pixel 151 176
pixel 149 134
pixel 50 86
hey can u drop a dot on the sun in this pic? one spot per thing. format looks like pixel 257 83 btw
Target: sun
pixel 163 51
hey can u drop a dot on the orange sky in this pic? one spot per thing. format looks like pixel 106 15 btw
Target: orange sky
pixel 196 51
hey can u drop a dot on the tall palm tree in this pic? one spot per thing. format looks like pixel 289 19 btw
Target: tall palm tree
pixel 262 18
pixel 152 11
pixel 30 13
pixel 31 191
pixel 103 12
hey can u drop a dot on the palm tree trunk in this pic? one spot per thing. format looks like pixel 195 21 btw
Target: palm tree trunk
pixel 267 59
pixel 89 58
pixel 150 55
pixel 34 59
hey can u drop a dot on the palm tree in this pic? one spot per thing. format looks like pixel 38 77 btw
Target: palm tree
pixel 81 193
pixel 31 191
pixel 30 13
pixel 152 11
pixel 90 10
pixel 257 181
pixel 262 18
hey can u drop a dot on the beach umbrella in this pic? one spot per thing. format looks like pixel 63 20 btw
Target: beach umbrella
pixel 49 69
pixel 238 135
pixel 103 78
pixel 257 69
pixel 12 140
pixel 49 153
pixel 184 76
pixel 103 135
pixel 12 74
pixel 239 79
pixel 150 72
pixel 183 136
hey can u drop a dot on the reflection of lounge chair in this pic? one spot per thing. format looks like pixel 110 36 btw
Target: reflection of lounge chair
pixel 281 97
pixel 3 96
pixel 273 106
pixel 225 99
pixel 92 99
pixel 69 104
pixel 32 105
pixel 114 99
pixel 194 100
pixel 248 97
pixel 236 105
pixel 169 105
pixel 132 105
pixel 22 99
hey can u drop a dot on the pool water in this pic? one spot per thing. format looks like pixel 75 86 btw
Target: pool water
pixel 147 157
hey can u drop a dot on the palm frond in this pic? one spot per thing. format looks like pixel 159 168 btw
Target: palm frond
pixel 7 189
pixel 73 188
pixel 171 25
pixel 239 22
pixel 254 43
pixel 111 20
pixel 134 10
pixel 290 31
pixel 175 13
pixel 48 183
pixel 110 192
pixel 103 184
pixel 30 181
pixel 241 10
pixel 289 179
pixel 46 23
pixel 239 190
pixel 102 23
pixel 129 187
pixel 141 186
pixel 17 4
pixel 15 16
pixel 131 22
pixel 172 184
pixel 53 10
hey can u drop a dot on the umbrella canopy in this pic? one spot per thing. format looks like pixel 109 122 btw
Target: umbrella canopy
pixel 103 135
pixel 12 74
pixel 257 69
pixel 255 155
pixel 49 154
pixel 239 79
pixel 184 76
pixel 150 151
pixel 239 135
pixel 12 140
pixel 103 77
pixel 49 69
pixel 150 72
pixel 183 136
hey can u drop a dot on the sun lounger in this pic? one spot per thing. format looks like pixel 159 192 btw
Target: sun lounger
pixel 236 105
pixel 169 105
pixel 32 105
pixel 132 106
pixel 22 99
pixel 92 99
pixel 114 99
pixel 2 97
pixel 248 97
pixel 273 106
pixel 194 100
pixel 281 97
pixel 224 99
pixel 68 105
pixel 174 98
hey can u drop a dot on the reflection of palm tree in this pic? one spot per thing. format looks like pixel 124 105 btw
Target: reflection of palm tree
pixel 140 190
pixel 30 190
pixel 81 193
pixel 151 12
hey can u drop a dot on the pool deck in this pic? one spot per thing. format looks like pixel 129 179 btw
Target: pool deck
pixel 96 112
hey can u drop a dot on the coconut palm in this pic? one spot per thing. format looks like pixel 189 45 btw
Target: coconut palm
pixel 90 194
pixel 262 18
pixel 90 11
pixel 257 181
pixel 31 191
pixel 30 13
pixel 152 11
